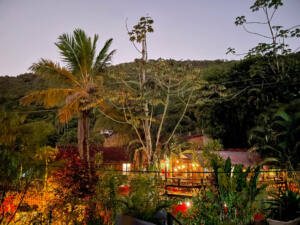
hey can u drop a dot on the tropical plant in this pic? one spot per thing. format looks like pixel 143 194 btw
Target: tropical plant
pixel 108 194
pixel 81 79
pixel 277 138
pixel 233 199
pixel 144 200
pixel 284 205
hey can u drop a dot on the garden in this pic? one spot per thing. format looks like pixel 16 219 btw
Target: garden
pixel 154 141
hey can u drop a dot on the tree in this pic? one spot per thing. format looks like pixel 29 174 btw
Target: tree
pixel 276 34
pixel 81 79
pixel 268 75
pixel 20 144
pixel 147 97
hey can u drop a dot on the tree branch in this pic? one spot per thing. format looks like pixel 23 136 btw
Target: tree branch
pixel 255 33
pixel 163 117
pixel 126 25
pixel 178 122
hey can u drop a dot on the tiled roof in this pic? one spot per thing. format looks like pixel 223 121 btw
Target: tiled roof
pixel 241 157
pixel 237 156
pixel 109 154
pixel 112 154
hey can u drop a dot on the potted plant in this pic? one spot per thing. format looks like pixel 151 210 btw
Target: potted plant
pixel 144 204
pixel 284 207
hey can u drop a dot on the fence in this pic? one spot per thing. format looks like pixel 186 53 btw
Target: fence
pixel 181 184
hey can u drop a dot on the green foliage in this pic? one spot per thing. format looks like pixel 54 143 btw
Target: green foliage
pixel 108 192
pixel 277 137
pixel 277 35
pixel 139 31
pixel 234 200
pixel 20 145
pixel 69 137
pixel 250 88
pixel 166 91
pixel 23 156
pixel 144 200
pixel 284 205
pixel 209 157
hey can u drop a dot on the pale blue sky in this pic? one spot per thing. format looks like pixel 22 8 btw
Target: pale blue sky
pixel 184 29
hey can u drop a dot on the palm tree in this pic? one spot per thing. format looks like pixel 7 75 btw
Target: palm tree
pixel 81 74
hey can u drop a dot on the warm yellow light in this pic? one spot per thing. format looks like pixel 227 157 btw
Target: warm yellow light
pixel 175 169
pixel 177 161
pixel 126 167
pixel 188 203
pixel 183 166
pixel 179 167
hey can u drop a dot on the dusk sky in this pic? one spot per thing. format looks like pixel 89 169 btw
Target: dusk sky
pixel 190 29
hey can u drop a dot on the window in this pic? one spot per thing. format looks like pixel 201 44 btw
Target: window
pixel 126 168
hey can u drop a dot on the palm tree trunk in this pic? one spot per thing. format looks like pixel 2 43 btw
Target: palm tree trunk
pixel 83 136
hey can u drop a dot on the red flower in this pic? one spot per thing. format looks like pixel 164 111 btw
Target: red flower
pixel 124 190
pixel 7 208
pixel 258 216
pixel 225 209
pixel 180 208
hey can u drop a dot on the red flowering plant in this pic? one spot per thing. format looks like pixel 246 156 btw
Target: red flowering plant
pixel 73 175
pixel 110 187
pixel 258 216
pixel 180 208
pixel 201 209
pixel 233 197
pixel 124 189
pixel 74 186
pixel 7 208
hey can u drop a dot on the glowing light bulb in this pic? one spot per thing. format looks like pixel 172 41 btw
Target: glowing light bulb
pixel 188 203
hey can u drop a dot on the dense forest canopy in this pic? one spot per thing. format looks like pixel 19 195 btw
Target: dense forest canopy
pixel 249 88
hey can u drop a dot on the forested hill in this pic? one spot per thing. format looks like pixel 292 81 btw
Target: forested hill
pixel 244 97
pixel 13 88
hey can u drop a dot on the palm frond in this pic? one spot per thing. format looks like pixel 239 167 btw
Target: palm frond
pixel 48 68
pixel 96 38
pixel 69 51
pixel 107 59
pixel 103 57
pixel 69 110
pixel 283 115
pixel 85 52
pixel 49 98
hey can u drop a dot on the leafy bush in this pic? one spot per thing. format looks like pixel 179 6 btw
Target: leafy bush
pixel 234 198
pixel 284 205
pixel 108 193
pixel 144 200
